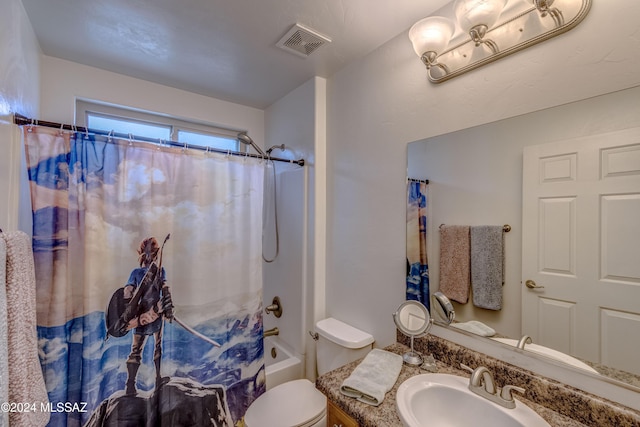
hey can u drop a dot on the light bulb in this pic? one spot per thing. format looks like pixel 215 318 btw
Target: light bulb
pixel 431 34
pixel 472 13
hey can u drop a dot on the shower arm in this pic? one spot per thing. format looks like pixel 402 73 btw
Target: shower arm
pixel 273 147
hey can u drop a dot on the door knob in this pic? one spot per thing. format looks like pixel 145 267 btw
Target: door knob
pixel 532 285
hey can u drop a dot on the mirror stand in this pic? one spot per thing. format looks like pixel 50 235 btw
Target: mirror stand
pixel 412 319
pixel 411 357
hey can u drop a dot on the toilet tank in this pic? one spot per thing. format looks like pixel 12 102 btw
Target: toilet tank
pixel 339 344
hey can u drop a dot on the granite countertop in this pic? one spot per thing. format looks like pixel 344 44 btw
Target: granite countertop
pixel 385 415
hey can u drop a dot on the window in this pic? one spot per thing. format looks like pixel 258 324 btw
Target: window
pixel 207 140
pixel 127 126
pixel 130 122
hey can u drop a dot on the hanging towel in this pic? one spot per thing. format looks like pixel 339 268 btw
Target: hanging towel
pixel 26 382
pixel 4 361
pixel 454 262
pixel 475 327
pixel 487 264
pixel 373 377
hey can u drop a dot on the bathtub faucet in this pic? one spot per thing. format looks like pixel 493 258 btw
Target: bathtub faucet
pixel 271 332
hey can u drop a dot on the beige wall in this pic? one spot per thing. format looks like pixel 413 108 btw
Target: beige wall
pixel 19 61
pixel 298 120
pixel 64 81
pixel 19 93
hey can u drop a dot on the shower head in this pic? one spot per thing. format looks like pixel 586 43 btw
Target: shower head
pixel 246 139
pixel 281 146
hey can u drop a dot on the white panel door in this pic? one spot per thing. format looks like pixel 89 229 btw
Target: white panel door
pixel 581 247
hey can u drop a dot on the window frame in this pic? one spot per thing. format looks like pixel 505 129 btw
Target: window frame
pixel 86 107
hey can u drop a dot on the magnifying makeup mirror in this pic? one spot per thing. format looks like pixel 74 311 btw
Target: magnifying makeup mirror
pixel 412 319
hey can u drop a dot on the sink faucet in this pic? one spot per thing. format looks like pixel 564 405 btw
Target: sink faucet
pixel 526 339
pixel 481 383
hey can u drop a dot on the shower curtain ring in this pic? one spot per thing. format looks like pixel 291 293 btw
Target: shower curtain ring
pixel 109 135
pixel 130 139
pixel 61 129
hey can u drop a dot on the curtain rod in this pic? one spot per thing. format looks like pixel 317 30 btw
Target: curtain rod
pixel 21 120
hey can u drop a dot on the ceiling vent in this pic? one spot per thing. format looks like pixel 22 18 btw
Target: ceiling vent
pixel 302 40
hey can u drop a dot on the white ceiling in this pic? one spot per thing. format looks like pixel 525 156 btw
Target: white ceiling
pixel 220 48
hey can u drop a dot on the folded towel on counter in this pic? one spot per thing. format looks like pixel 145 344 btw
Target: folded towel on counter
pixel 475 327
pixel 373 377
pixel 487 266
pixel 454 262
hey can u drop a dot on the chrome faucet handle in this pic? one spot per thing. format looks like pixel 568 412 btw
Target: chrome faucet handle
pixel 506 398
pixel 506 391
pixel 466 368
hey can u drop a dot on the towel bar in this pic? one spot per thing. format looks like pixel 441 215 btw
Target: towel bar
pixel 505 228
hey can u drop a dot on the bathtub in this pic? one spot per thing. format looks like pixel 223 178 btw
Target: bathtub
pixel 281 363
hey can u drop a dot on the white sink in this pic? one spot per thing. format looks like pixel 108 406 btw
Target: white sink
pixel 549 352
pixel 445 400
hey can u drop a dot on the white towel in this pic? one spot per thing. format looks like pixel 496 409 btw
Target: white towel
pixel 475 327
pixel 373 377
pixel 26 382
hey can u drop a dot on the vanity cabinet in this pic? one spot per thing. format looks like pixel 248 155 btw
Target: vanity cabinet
pixel 336 417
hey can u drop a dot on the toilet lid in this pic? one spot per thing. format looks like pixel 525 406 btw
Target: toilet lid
pixel 293 404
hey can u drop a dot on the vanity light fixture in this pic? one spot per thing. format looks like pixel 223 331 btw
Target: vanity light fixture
pixel 472 33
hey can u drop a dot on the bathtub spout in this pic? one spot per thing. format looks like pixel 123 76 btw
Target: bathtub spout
pixel 271 332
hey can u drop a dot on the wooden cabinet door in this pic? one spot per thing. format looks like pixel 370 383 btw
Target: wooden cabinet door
pixel 336 417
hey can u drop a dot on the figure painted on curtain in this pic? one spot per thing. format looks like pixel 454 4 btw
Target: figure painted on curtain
pixel 146 300
pixel 154 303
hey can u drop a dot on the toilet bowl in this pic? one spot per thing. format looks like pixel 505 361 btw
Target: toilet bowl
pixel 293 404
pixel 298 403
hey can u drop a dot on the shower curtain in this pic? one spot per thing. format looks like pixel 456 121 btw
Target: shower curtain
pixel 187 345
pixel 417 262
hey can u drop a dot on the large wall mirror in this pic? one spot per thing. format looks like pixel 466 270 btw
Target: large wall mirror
pixel 476 177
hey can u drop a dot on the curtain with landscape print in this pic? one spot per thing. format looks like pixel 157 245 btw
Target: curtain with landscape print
pixel 149 280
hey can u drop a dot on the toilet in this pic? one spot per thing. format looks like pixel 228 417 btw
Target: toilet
pixel 298 403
